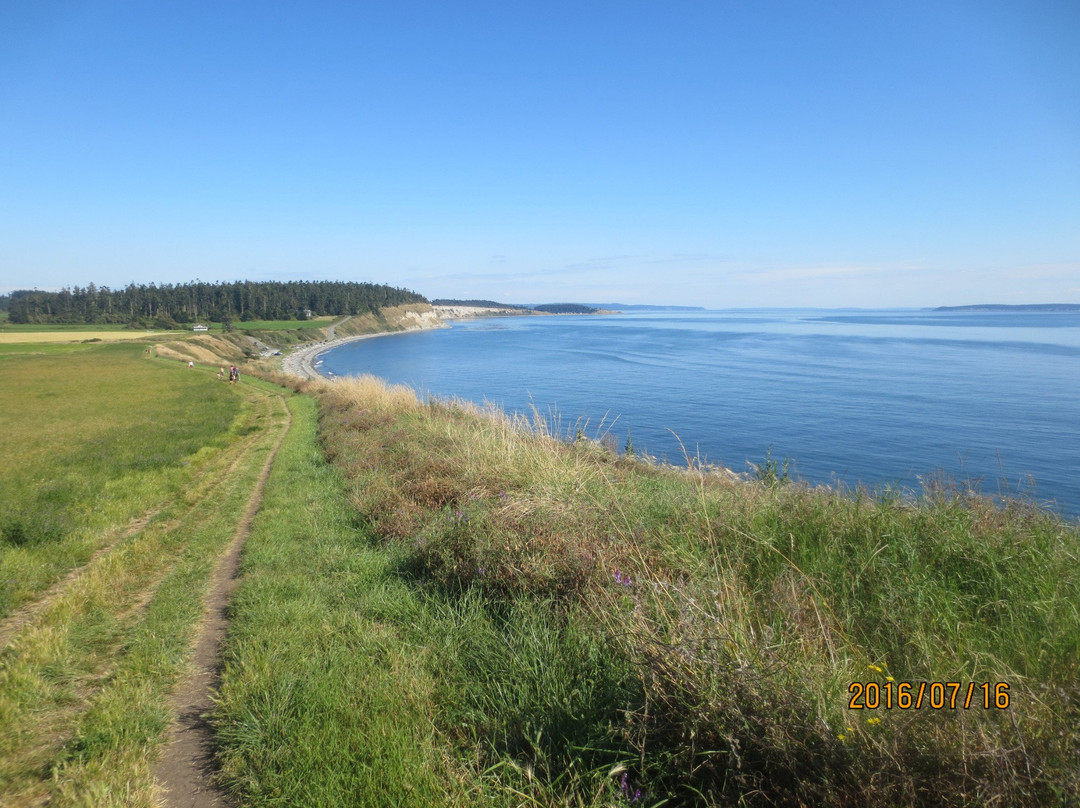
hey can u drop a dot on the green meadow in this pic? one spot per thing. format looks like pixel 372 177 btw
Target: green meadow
pixel 439 605
pixel 93 436
pixel 126 476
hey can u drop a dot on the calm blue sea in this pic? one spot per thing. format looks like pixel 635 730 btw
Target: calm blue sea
pixel 883 397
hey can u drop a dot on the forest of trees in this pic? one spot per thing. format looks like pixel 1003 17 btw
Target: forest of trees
pixel 169 305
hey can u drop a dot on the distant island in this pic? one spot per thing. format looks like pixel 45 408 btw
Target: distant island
pixel 1004 307
pixel 578 308
pixel 643 307
pixel 491 306
pixel 480 304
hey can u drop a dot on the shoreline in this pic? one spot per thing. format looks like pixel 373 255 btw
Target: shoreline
pixel 301 361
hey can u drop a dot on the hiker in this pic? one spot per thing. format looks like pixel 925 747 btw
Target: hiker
pixel 221 373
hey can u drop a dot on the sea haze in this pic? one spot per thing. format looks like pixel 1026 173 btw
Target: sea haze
pixel 885 397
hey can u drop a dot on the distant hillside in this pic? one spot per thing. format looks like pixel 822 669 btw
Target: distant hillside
pixel 1004 307
pixel 564 308
pixel 643 307
pixel 483 304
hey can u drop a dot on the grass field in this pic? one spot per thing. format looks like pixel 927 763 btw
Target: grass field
pixel 93 437
pixel 126 478
pixel 39 334
pixel 64 332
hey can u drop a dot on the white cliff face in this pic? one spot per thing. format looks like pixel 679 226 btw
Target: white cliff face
pixel 464 312
pixel 421 319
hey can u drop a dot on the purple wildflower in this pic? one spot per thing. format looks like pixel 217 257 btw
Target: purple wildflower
pixel 624 787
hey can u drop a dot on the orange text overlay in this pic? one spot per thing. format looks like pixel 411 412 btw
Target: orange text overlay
pixel 935 695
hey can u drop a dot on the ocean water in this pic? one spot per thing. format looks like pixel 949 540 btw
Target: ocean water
pixel 880 398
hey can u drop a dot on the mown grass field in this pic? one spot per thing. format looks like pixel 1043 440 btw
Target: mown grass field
pixel 40 334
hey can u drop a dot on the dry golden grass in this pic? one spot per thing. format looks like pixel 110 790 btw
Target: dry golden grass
pixel 209 349
pixel 10 338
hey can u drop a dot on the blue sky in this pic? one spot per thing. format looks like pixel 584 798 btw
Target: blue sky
pixel 720 153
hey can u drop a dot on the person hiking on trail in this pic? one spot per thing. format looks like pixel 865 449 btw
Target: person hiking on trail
pixel 221 373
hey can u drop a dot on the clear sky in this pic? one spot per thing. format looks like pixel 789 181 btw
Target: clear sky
pixel 720 153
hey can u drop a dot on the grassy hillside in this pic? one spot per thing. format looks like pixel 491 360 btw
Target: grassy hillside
pixel 590 630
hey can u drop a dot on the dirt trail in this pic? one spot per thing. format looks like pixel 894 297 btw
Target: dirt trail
pixel 22 617
pixel 185 770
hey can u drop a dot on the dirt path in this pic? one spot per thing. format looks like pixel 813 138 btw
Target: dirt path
pixel 184 773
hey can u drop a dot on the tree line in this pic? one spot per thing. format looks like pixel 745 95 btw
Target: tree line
pixel 169 305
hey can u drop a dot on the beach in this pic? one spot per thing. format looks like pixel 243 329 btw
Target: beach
pixel 301 361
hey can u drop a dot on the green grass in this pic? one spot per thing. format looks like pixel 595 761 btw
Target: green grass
pixel 282 325
pixel 325 697
pixel 93 438
pixel 105 435
pixel 6 326
pixel 719 674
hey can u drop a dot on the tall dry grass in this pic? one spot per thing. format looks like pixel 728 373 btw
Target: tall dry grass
pixel 725 618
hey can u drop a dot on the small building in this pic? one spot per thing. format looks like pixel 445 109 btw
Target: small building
pixel 200 327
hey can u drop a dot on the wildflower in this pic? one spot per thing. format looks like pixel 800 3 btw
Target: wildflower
pixel 889 679
pixel 873 721
pixel 842 737
pixel 618 580
pixel 624 787
pixel 875 668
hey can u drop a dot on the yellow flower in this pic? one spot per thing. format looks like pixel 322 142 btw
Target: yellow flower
pixel 842 737
pixel 873 721
pixel 889 679
pixel 875 668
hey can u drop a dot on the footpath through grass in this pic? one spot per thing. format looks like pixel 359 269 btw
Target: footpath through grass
pixel 87 665
pixel 94 437
pixel 524 621
pixel 326 698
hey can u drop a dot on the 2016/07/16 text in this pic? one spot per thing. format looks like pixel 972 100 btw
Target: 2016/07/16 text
pixel 936 695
